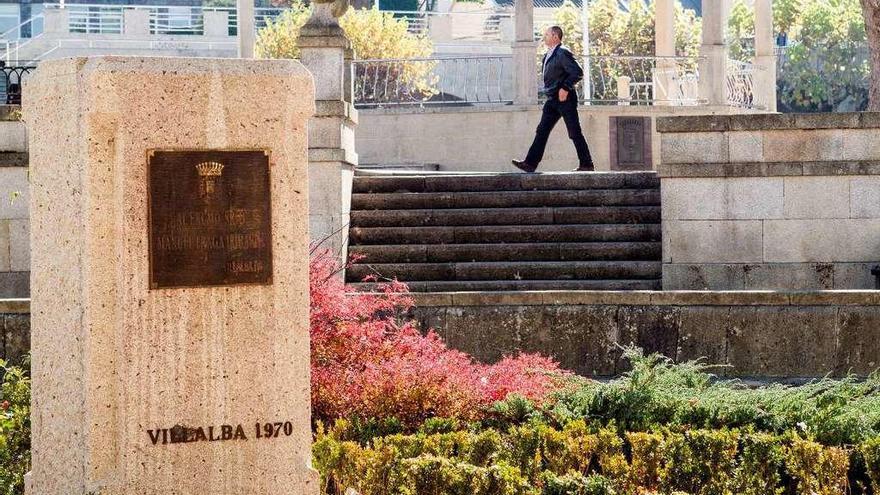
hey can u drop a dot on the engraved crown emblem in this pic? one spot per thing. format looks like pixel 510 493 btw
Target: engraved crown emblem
pixel 210 169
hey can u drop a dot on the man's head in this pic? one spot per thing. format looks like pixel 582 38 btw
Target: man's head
pixel 552 36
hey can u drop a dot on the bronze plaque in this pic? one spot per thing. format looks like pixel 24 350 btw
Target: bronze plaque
pixel 631 143
pixel 210 218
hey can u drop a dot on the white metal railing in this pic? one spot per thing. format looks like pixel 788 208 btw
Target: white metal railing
pixel 164 19
pixel 634 80
pixel 740 85
pixel 435 80
pixel 446 26
pixel 34 26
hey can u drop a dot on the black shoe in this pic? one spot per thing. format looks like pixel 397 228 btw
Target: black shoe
pixel 584 168
pixel 524 166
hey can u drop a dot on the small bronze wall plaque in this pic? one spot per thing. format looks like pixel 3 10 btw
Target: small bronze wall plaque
pixel 210 218
pixel 630 143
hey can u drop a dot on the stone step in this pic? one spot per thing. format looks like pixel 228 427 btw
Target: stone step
pixel 13 159
pixel 520 270
pixel 441 253
pixel 506 216
pixel 505 182
pixel 505 234
pixel 506 199
pixel 521 285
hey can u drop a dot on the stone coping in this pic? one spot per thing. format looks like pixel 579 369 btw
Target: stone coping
pixel 619 298
pixel 760 122
pixel 651 298
pixel 15 306
pixel 769 169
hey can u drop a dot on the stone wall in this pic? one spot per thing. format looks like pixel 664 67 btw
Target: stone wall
pixel 756 334
pixel 770 201
pixel 14 230
pixel 485 139
pixel 15 329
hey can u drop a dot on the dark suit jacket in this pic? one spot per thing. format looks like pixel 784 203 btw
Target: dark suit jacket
pixel 561 71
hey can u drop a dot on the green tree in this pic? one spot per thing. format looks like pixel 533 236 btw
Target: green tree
pixel 824 68
pixel 374 35
pixel 618 33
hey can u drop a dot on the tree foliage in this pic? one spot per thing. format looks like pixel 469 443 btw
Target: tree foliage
pixel 374 35
pixel 825 67
pixel 618 33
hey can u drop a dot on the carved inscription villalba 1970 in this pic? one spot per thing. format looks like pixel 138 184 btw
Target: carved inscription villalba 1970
pixel 210 218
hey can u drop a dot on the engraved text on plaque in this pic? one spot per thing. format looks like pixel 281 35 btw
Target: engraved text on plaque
pixel 210 218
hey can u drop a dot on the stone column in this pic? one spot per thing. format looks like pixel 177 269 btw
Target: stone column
pixel 246 31
pixel 713 65
pixel 56 21
pixel 525 49
pixel 326 52
pixel 765 55
pixel 136 22
pixel 664 46
pixel 216 23
pixel 142 386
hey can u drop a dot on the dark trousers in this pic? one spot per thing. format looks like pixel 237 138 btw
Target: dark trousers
pixel 553 111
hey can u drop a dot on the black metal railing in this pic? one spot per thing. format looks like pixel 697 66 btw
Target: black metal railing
pixel 13 77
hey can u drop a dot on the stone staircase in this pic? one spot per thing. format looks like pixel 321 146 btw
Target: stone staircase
pixel 495 232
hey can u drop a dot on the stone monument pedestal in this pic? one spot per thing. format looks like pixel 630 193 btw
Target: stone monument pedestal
pixel 169 223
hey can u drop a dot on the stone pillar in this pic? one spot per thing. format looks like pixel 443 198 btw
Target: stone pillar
pixel 765 54
pixel 326 52
pixel 135 374
pixel 216 23
pixel 136 22
pixel 664 47
pixel 713 65
pixel 525 66
pixel 246 30
pixel 56 21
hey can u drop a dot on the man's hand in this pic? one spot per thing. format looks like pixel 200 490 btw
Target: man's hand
pixel 563 95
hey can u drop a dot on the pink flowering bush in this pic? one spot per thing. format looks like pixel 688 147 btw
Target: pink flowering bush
pixel 369 362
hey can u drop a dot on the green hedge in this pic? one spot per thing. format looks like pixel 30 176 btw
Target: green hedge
pixel 582 459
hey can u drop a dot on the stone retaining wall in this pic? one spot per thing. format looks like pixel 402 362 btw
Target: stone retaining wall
pixel 757 334
pixel 14 225
pixel 770 201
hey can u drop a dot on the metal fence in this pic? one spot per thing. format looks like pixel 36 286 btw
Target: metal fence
pixel 13 78
pixel 473 25
pixel 632 80
pixel 432 81
pixel 740 85
pixel 164 19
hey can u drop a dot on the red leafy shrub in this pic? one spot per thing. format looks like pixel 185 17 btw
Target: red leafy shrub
pixel 369 362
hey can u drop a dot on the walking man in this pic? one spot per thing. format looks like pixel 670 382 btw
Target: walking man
pixel 561 72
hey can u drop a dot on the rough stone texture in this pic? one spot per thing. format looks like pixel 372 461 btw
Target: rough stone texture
pixel 16 335
pixel 755 122
pixel 15 284
pixel 864 197
pixel 768 276
pixel 822 240
pixel 712 241
pixel 754 334
pixel 111 358
pixel 816 197
pixel 701 147
pixel 746 146
pixel 716 198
